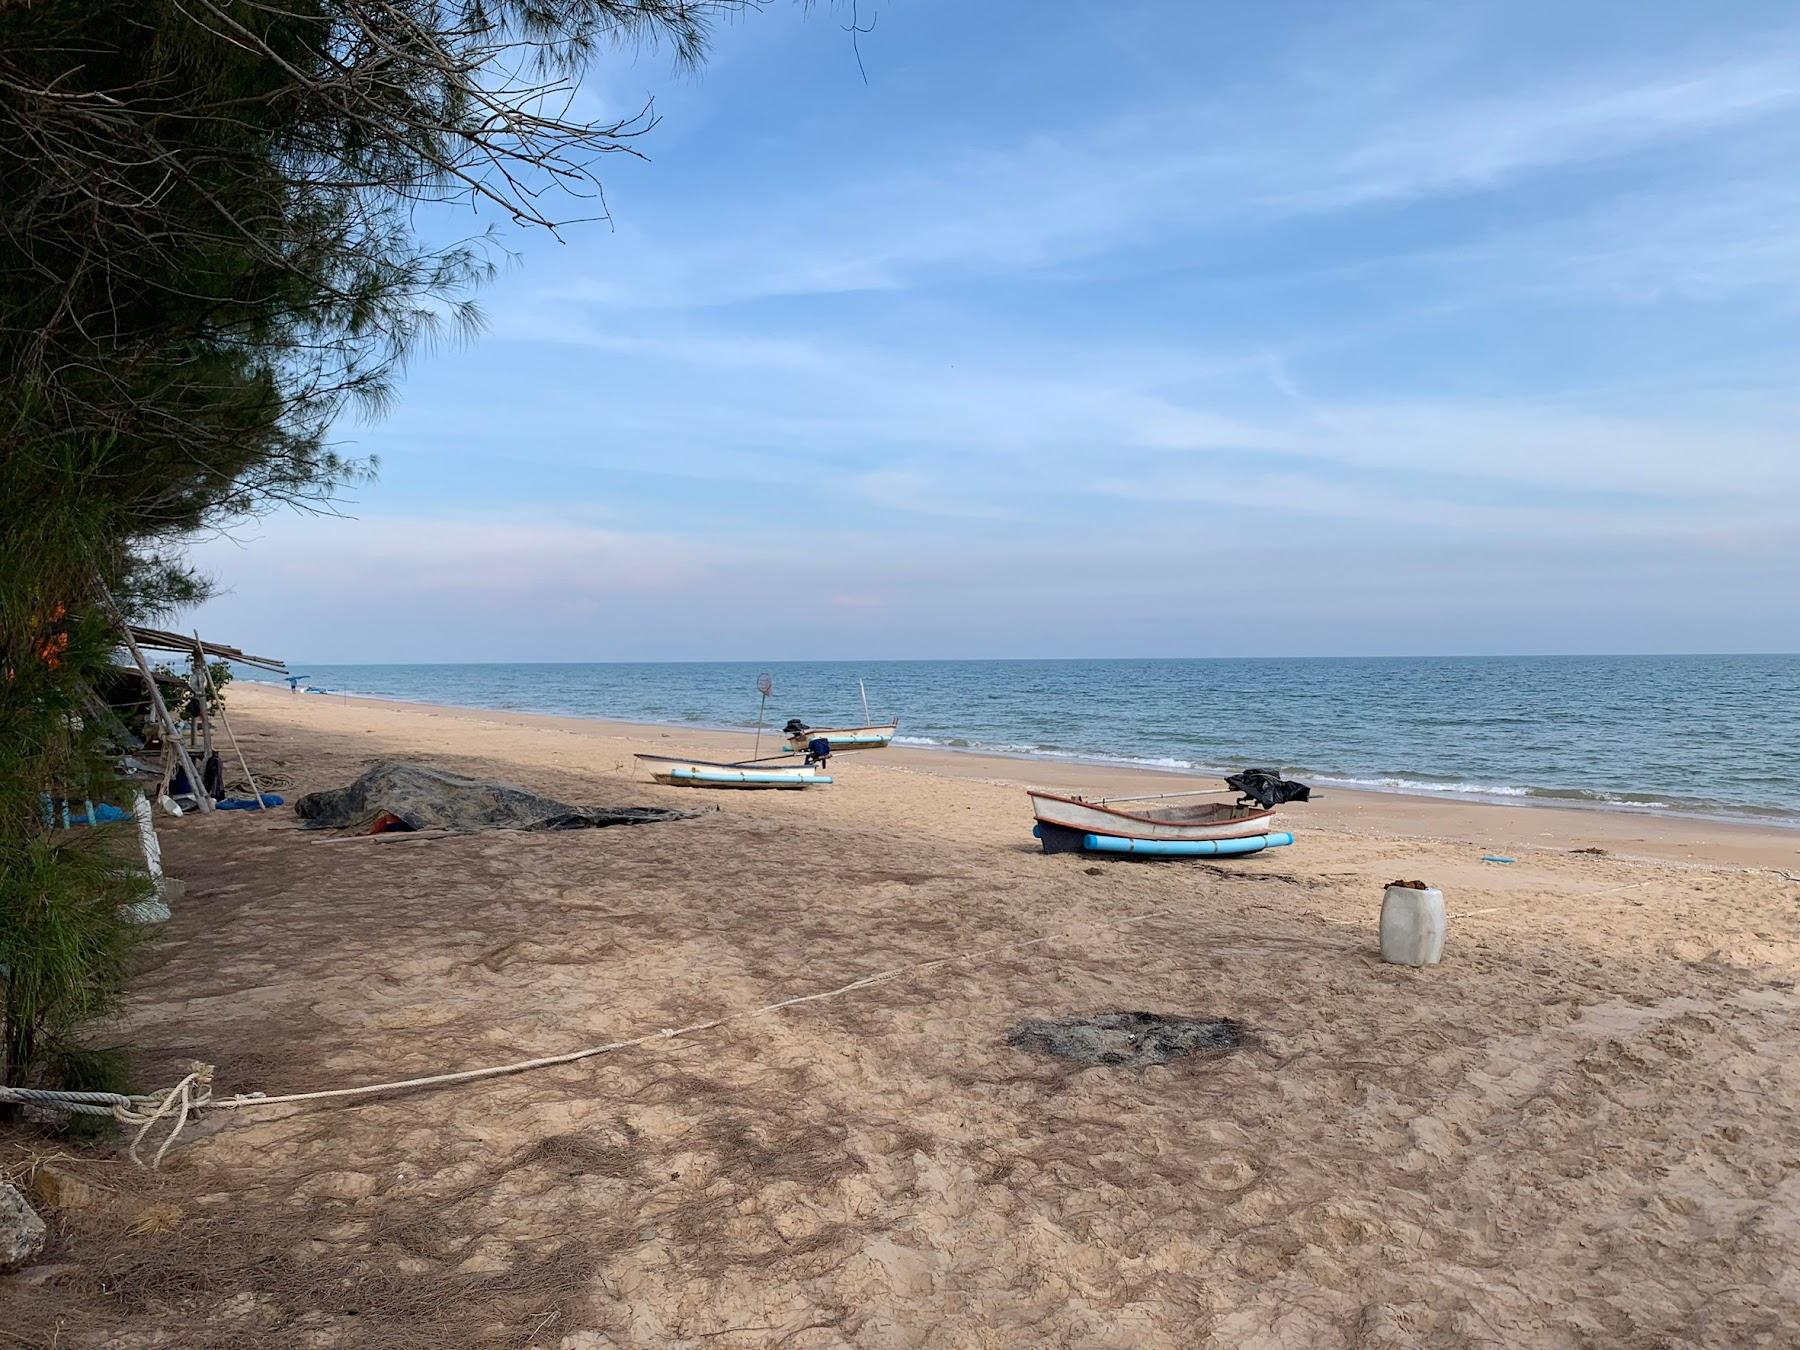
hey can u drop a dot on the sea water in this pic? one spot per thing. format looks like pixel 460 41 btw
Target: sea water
pixel 1715 735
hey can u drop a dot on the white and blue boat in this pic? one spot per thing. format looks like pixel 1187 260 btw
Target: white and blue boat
pixel 756 773
pixel 844 738
pixel 871 735
pixel 1154 826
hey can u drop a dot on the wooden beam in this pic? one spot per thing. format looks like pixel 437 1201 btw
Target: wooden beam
pixel 158 639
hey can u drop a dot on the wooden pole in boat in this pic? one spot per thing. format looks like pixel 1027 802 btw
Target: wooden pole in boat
pixel 1158 796
pixel 867 720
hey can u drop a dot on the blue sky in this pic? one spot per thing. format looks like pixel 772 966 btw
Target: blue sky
pixel 1117 329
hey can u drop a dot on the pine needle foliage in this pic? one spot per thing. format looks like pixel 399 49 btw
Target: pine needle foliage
pixel 64 943
pixel 222 227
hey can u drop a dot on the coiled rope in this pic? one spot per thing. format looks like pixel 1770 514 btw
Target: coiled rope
pixel 193 1094
pixel 142 1109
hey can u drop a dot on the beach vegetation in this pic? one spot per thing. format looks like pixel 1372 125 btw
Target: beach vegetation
pixel 224 226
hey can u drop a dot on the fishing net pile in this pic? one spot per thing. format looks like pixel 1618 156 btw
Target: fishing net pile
pixel 393 795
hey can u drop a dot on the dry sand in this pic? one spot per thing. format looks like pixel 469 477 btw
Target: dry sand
pixel 1580 1130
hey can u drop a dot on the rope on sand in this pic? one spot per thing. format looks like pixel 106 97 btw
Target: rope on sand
pixel 143 1109
pixel 193 1094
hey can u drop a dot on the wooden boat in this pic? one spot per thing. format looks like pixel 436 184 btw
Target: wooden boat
pixel 708 773
pixel 845 738
pixel 1063 823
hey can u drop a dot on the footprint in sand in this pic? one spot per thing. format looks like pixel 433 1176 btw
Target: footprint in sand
pixel 1230 1173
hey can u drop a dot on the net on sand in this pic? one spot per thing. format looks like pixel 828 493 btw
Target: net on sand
pixel 396 795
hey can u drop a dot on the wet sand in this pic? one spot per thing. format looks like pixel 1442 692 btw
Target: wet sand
pixel 1580 1130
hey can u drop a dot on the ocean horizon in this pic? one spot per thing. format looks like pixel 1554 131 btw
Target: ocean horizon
pixel 1700 735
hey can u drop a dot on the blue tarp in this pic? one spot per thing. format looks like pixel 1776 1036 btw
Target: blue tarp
pixel 248 803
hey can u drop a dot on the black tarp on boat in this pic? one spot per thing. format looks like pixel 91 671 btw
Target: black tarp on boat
pixel 1267 788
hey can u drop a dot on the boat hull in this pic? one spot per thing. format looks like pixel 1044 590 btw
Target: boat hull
pixel 1064 823
pixel 846 738
pixel 701 773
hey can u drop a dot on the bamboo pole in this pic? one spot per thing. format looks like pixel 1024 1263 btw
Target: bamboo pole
pixel 225 725
pixel 165 770
pixel 162 710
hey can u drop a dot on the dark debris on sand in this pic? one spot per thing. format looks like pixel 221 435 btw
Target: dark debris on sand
pixel 393 795
pixel 1126 1040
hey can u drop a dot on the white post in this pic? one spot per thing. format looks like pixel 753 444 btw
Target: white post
pixel 156 908
pixel 152 846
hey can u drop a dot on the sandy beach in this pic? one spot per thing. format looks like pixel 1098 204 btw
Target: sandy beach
pixel 1579 1130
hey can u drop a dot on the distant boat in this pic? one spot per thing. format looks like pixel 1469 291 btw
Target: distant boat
pixel 800 736
pixel 1066 824
pixel 680 772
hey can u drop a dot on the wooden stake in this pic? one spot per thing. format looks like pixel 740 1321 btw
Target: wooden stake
pixel 201 682
pixel 225 723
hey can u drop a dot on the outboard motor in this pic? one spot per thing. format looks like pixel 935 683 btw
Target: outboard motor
pixel 818 750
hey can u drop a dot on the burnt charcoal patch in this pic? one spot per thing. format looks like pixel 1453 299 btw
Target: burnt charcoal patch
pixel 1127 1040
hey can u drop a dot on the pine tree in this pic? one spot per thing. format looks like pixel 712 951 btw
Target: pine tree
pixel 208 250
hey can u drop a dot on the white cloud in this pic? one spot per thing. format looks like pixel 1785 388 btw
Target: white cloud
pixel 466 558
pixel 381 590
pixel 1479 142
pixel 1315 142
pixel 920 467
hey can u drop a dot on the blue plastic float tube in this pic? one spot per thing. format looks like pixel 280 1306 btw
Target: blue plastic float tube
pixel 1183 848
pixel 759 776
